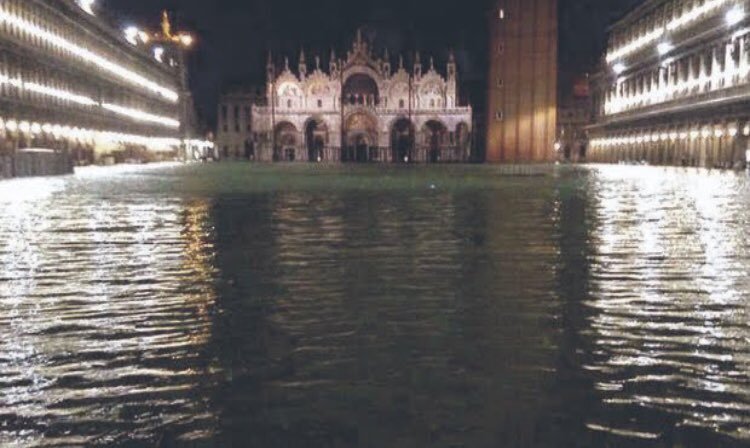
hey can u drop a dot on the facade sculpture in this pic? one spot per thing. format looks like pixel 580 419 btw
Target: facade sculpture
pixel 362 110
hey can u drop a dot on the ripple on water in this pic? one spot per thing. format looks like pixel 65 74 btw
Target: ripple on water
pixel 298 306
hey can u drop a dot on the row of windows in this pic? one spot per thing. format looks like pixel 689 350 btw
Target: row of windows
pixel 722 66
pixel 236 123
pixel 670 16
pixel 28 83
pixel 29 23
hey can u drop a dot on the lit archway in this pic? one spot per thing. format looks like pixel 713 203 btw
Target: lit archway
pixel 316 138
pixel 434 133
pixel 285 147
pixel 360 138
pixel 402 141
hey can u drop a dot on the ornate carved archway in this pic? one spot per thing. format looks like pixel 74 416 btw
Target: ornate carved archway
pixel 360 138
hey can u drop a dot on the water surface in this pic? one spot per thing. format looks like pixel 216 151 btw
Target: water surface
pixel 305 306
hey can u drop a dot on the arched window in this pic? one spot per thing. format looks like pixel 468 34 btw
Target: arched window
pixel 320 104
pixel 401 104
pixel 432 103
pixel 289 104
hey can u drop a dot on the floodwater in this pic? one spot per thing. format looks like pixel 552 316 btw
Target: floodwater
pixel 232 305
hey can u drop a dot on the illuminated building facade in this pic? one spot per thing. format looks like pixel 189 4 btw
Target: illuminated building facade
pixel 362 110
pixel 675 86
pixel 72 83
pixel 522 81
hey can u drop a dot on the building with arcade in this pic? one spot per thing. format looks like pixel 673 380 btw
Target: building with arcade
pixel 674 86
pixel 362 109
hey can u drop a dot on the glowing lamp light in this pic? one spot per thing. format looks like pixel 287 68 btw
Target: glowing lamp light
pixel 733 132
pixel 735 16
pixel 664 48
pixel 11 125
pixel 558 146
pixel 24 127
pixel 618 68
pixel 746 131
pixel 87 5
pixel 159 54
pixel 186 40
pixel 132 35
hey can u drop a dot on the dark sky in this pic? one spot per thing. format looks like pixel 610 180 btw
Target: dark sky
pixel 235 35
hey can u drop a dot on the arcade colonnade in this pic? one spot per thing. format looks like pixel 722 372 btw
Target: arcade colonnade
pixel 675 85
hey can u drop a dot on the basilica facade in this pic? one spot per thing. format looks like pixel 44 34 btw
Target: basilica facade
pixel 361 110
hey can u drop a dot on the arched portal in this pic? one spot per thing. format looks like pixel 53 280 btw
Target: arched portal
pixel 360 138
pixel 402 141
pixel 362 90
pixel 316 138
pixel 434 133
pixel 285 142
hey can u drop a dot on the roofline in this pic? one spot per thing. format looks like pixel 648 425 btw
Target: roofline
pixel 635 13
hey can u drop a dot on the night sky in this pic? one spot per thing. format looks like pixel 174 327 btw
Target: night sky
pixel 236 35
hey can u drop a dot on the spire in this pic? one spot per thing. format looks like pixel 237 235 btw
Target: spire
pixel 359 37
pixel 302 63
pixel 386 64
pixel 270 69
pixel 417 66
pixel 317 63
pixel 451 68
pixel 400 62
pixel 333 65
pixel 286 63
pixel 166 27
pixel 432 63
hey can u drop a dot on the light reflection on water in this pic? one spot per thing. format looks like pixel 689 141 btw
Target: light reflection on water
pixel 276 306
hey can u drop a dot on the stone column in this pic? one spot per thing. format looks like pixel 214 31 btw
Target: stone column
pixel 729 65
pixel 715 70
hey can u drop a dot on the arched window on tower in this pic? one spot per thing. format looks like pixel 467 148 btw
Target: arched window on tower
pixel 289 104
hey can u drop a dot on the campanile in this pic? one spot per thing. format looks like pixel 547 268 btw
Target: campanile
pixel 522 81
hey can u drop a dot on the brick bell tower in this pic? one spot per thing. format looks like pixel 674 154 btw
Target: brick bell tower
pixel 522 81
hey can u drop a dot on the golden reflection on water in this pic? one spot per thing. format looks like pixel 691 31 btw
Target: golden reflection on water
pixel 99 300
